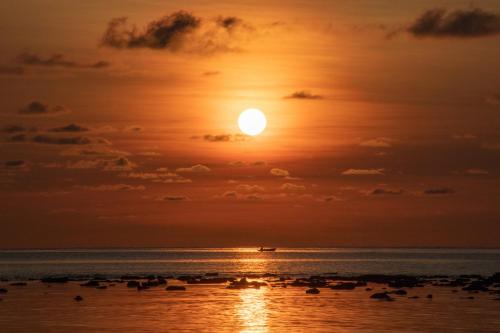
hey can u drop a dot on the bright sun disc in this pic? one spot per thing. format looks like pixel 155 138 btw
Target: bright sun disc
pixel 252 121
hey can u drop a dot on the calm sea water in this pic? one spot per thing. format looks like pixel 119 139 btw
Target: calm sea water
pixel 24 264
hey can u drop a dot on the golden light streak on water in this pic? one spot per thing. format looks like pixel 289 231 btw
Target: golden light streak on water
pixel 252 310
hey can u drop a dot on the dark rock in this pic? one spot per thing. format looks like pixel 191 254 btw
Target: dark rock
pixel 400 292
pixel 312 291
pixel 91 283
pixel 101 287
pixel 244 284
pixel 49 279
pixel 369 289
pixel 344 286
pixel 175 288
pixel 133 284
pixel 413 297
pixel 78 298
pixel 429 296
pixel 3 291
pixel 382 296
pixel 212 274
pixel 130 277
pixel 19 284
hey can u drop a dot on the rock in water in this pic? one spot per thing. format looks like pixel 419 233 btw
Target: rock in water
pixel 78 298
pixel 174 288
pixel 382 296
pixel 313 291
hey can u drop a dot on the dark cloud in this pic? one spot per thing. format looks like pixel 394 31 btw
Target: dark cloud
pixel 224 137
pixel 17 138
pixel 179 31
pixel 303 94
pixel 439 190
pixel 15 164
pixel 115 187
pixel 11 70
pixel 210 73
pixel 56 140
pixel 165 33
pixel 70 128
pixel 173 198
pixel 466 23
pixel 13 129
pixel 385 191
pixel 37 108
pixel 56 60
pixel 493 99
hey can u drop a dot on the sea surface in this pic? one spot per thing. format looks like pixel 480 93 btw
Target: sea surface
pixel 24 264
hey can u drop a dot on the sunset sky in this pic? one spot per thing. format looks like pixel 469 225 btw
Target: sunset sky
pixel 119 123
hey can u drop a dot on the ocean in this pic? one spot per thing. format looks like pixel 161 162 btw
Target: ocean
pixel 113 263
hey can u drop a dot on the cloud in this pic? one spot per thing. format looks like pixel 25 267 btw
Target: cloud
pixel 330 198
pixel 178 32
pixel 13 129
pixel 224 137
pixel 56 140
pixel 115 187
pixel 210 73
pixel 303 94
pixel 70 128
pixel 363 172
pixel 15 164
pixel 18 138
pixel 230 194
pixel 56 60
pixel 439 191
pixel 93 151
pixel 174 198
pixel 198 168
pixel 385 191
pixel 493 99
pixel 161 176
pixel 476 172
pixel 292 187
pixel 377 143
pixel 11 70
pixel 464 136
pixel 279 172
pixel 119 164
pixel 245 188
pixel 245 164
pixel 37 108
pixel 461 23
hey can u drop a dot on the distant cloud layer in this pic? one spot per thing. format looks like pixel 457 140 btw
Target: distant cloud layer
pixel 56 60
pixel 198 168
pixel 70 128
pixel 303 94
pixel 178 32
pixel 363 172
pixel 37 108
pixel 439 191
pixel 462 23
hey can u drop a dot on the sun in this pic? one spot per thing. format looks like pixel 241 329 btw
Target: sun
pixel 252 122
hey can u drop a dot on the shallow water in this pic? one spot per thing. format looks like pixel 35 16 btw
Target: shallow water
pixel 231 261
pixel 212 308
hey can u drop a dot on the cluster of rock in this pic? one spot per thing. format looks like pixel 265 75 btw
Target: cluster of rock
pixel 399 284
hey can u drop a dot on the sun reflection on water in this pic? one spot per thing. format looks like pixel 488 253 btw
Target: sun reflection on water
pixel 252 310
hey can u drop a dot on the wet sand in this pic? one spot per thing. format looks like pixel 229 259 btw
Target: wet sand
pixel 266 306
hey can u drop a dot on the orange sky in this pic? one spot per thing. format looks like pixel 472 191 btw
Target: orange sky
pixel 383 123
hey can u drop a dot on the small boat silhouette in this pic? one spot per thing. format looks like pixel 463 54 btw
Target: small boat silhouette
pixel 267 249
